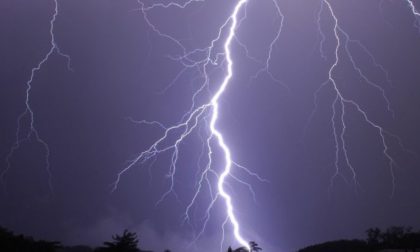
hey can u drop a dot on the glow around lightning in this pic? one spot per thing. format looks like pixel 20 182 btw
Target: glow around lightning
pixel 219 136
pixel 217 183
pixel 28 114
pixel 415 12
pixel 208 113
pixel 413 8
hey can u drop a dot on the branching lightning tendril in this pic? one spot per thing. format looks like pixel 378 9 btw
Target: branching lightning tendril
pixel 209 112
pixel 192 118
pixel 203 117
pixel 341 103
pixel 28 113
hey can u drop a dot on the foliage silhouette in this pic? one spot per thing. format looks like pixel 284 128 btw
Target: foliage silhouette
pixel 373 238
pixel 394 238
pixel 20 243
pixel 253 246
pixel 127 242
pixel 339 246
pixel 398 238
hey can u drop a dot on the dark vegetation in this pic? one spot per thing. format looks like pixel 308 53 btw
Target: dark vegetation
pixel 126 242
pixel 393 239
pixel 10 242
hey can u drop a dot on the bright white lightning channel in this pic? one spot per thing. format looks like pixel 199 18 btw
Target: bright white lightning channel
pixel 413 8
pixel 201 59
pixel 198 113
pixel 219 136
pixel 415 12
pixel 208 113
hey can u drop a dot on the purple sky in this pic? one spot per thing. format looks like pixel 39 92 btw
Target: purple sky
pixel 120 67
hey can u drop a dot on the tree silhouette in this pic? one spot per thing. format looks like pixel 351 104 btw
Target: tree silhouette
pixel 398 238
pixel 412 241
pixel 127 242
pixel 10 242
pixel 394 238
pixel 339 246
pixel 374 236
pixel 252 245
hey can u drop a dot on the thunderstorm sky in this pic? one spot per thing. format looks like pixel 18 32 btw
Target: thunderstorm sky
pixel 323 102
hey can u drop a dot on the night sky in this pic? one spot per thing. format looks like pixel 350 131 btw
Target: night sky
pixel 122 69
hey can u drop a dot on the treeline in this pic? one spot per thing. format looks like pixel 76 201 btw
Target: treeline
pixel 10 242
pixel 126 242
pixel 393 238
pixel 398 238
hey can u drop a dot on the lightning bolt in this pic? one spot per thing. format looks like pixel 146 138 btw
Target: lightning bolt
pixel 413 8
pixel 211 58
pixel 203 115
pixel 28 114
pixel 416 14
pixel 341 103
pixel 219 136
pixel 266 67
pixel 208 113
